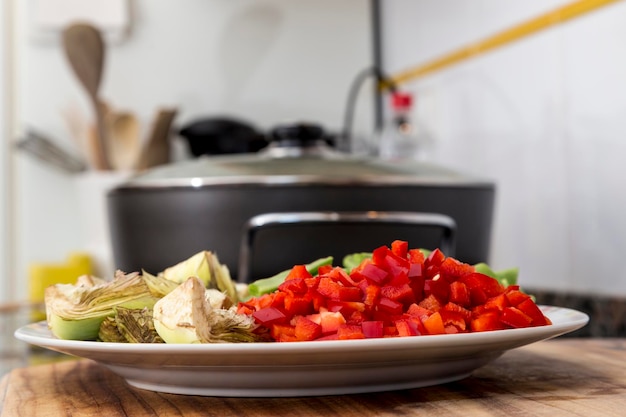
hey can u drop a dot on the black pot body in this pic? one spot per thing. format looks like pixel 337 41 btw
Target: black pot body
pixel 156 227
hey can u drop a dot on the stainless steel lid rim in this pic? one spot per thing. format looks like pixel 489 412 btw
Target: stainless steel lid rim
pixel 299 180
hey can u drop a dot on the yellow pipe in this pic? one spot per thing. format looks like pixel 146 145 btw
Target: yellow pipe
pixel 552 18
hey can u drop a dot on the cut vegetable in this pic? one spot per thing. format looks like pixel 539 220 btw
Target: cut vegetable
pixel 75 312
pixel 268 285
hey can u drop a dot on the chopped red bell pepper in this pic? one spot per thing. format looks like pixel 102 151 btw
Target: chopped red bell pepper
pixel 389 306
pixel 484 283
pixel 406 327
pixel 306 329
pixel 269 315
pixel 459 294
pixel 430 303
pixel 499 302
pixel 373 329
pixel 513 317
pixel 400 248
pixel 329 321
pixel 402 294
pixel 397 292
pixel 298 306
pixel 452 269
pixel 435 258
pixel 434 324
pixel 294 286
pixel 347 331
pixel 533 311
pixel 372 295
pixel 437 287
pixel 283 332
pixel 298 271
pixel 373 273
pixel 515 296
pixel 489 320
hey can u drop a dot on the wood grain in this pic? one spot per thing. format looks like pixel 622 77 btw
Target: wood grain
pixel 563 377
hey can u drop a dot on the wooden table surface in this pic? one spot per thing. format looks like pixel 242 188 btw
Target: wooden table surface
pixel 561 377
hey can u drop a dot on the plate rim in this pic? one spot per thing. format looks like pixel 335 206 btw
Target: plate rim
pixel 27 333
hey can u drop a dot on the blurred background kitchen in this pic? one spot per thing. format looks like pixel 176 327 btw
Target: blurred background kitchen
pixel 542 116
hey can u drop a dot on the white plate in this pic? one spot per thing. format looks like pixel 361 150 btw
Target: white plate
pixel 305 368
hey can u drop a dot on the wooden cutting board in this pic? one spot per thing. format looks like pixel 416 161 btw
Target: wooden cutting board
pixel 563 377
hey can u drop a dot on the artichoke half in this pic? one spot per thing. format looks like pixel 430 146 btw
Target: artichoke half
pixel 193 314
pixel 206 267
pixel 75 312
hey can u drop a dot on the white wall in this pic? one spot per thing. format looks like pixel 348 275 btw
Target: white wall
pixel 544 117
pixel 268 61
pixel 6 264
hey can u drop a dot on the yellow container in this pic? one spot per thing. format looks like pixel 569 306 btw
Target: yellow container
pixel 43 275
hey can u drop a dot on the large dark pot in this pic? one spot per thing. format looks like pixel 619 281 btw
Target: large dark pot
pixel 291 203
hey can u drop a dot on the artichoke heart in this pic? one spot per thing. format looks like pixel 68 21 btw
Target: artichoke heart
pixel 129 326
pixel 192 314
pixel 205 266
pixel 75 312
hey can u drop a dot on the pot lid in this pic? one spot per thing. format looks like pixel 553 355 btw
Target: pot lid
pixel 297 154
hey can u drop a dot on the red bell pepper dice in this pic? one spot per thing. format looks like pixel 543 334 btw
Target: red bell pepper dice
pixel 439 288
pixel 350 294
pixel 298 306
pixel 396 265
pixel 298 271
pixel 350 331
pixel 513 317
pixel 283 333
pixel 269 315
pixel 373 273
pixel 434 324
pixel 345 307
pixel 430 303
pixel 294 286
pixel 389 306
pixel 452 318
pixel 402 293
pixel 340 275
pixel 416 256
pixel 371 295
pixel 533 311
pixel 373 329
pixel 406 327
pixel 329 321
pixel 324 269
pixel 415 310
pixel 306 329
pixel 328 288
pixel 379 254
pixel 452 269
pixel 515 296
pixel 489 320
pixel 499 302
pixel 400 248
pixel 435 258
pixel 455 308
pixel 481 287
pixel 459 294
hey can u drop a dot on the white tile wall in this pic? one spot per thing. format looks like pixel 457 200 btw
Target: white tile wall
pixel 543 117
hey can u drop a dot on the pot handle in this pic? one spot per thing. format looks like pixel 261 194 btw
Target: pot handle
pixel 266 220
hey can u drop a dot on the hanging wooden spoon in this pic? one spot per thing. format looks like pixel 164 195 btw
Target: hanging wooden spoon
pixel 84 49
